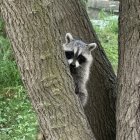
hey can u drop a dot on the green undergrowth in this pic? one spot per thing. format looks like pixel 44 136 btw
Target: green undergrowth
pixel 17 118
pixel 107 31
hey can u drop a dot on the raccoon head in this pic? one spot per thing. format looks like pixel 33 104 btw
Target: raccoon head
pixel 77 52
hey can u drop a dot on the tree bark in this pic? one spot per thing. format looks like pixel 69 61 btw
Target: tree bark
pixel 128 99
pixel 36 30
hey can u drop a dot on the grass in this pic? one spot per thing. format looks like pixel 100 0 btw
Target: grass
pixel 108 35
pixel 17 118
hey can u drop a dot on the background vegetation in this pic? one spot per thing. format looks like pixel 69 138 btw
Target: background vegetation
pixel 17 118
pixel 106 28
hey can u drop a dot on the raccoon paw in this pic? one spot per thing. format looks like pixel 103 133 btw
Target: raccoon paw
pixel 83 96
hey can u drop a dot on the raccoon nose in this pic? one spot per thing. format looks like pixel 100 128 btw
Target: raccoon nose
pixel 72 65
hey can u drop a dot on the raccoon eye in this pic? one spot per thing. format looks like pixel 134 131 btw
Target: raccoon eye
pixel 69 54
pixel 81 59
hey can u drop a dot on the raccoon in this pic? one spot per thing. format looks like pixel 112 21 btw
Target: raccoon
pixel 79 58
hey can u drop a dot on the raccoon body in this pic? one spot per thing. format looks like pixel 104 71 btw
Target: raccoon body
pixel 79 58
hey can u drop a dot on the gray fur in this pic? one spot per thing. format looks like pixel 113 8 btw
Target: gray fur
pixel 79 67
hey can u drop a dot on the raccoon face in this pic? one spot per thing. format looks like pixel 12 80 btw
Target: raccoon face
pixel 77 52
pixel 75 60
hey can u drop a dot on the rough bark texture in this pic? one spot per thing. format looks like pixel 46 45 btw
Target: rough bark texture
pixel 128 100
pixel 37 46
pixel 39 40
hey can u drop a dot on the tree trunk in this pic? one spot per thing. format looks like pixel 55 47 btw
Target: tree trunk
pixel 37 46
pixel 128 100
pixel 36 30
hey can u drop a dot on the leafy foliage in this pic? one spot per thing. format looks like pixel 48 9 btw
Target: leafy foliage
pixel 17 121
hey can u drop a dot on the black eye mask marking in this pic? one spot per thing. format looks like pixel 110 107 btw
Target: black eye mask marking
pixel 69 54
pixel 81 59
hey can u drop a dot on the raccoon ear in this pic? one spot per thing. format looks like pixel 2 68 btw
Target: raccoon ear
pixel 92 46
pixel 68 37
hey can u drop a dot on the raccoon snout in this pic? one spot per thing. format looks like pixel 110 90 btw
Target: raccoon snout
pixel 72 65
